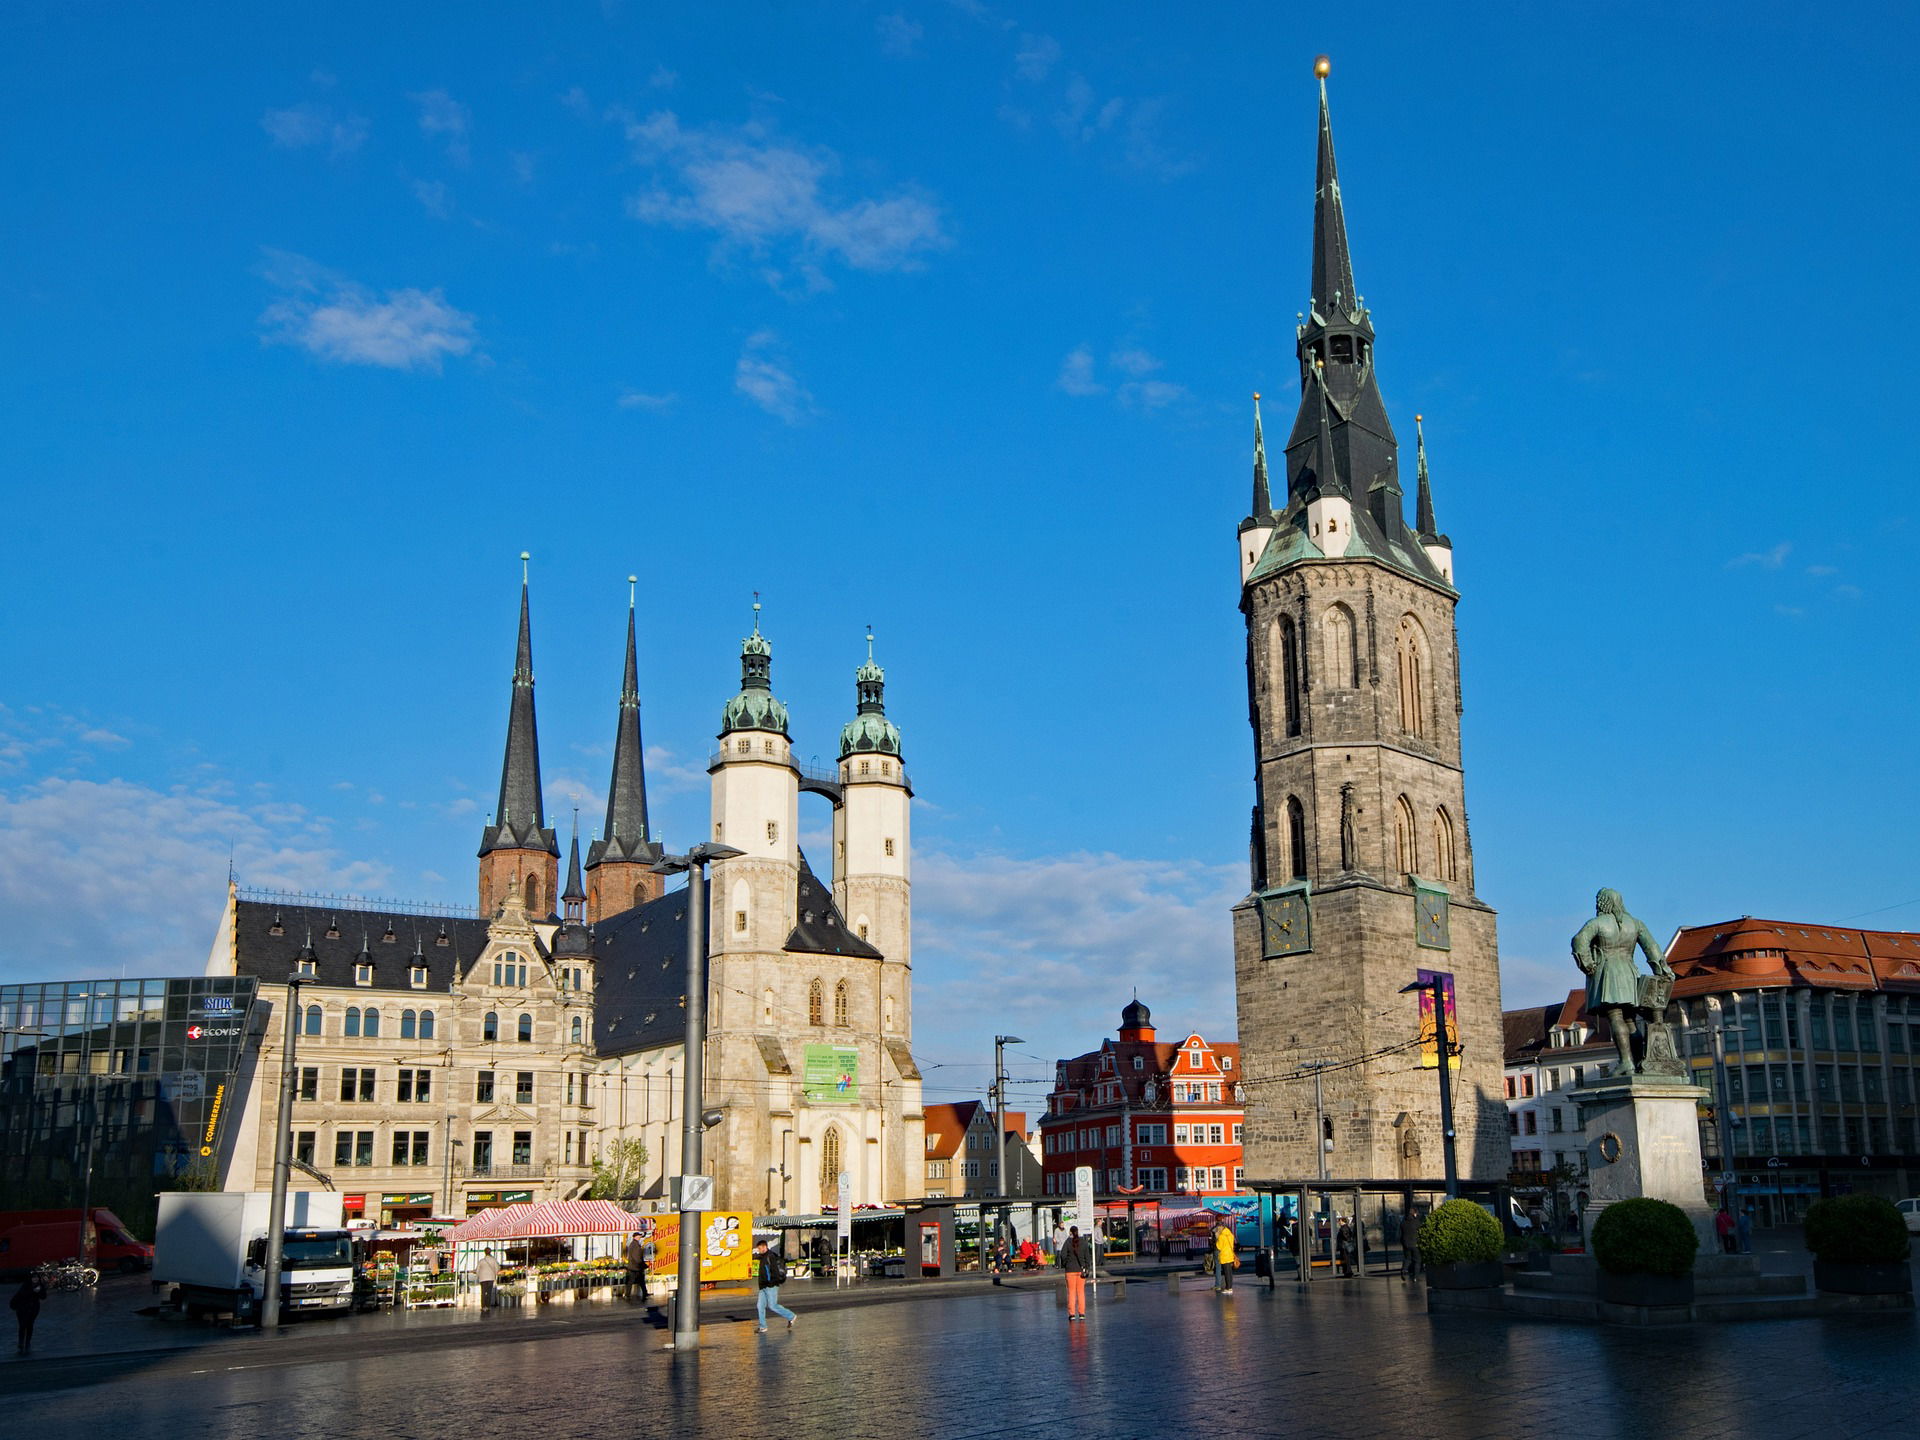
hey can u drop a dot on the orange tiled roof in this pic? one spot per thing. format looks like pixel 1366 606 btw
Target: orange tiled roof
pixel 1759 954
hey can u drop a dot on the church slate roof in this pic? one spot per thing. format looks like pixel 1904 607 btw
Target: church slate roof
pixel 822 929
pixel 268 937
pixel 640 976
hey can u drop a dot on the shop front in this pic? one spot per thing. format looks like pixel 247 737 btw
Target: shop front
pixel 404 1208
pixel 478 1200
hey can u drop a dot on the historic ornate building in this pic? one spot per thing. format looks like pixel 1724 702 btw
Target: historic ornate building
pixel 1362 865
pixel 451 1059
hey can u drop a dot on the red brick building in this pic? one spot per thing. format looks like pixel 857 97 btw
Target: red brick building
pixel 1151 1117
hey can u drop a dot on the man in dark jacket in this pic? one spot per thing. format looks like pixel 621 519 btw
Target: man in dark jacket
pixel 26 1308
pixel 771 1272
pixel 636 1266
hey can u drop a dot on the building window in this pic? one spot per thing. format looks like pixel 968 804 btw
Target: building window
pixel 313 1019
pixel 1285 654
pixel 1343 651
pixel 863 929
pixel 352 1026
pixel 490 1027
pixel 371 1029
pixel 306 967
pixel 309 1082
pixel 482 1152
pixel 830 1165
pixel 773 831
pixel 483 1088
pixel 1412 652
pixel 523 1088
pixel 303 1141
pixel 740 922
pixel 1216 1135
pixel 1443 861
pixel 416 1086
pixel 426 1024
pixel 816 1003
pixel 1296 838
pixel 1180 1134
pixel 1405 858
pixel 1529 1123
pixel 409 1021
pixel 840 1004
pixel 363 974
pixel 523 1147
pixel 410 1147
pixel 1558 1120
pixel 525 1034
pixel 889 844
pixel 866 767
pixel 577 1030
pixel 356 1084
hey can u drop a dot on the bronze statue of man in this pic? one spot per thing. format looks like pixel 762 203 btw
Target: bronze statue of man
pixel 1604 951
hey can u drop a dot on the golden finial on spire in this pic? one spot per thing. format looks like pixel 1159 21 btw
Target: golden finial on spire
pixel 1321 66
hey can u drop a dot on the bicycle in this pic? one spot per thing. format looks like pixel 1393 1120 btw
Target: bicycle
pixel 68 1274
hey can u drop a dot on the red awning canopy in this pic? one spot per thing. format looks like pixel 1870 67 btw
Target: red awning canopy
pixel 547 1218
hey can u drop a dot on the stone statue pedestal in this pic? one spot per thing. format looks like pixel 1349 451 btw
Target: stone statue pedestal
pixel 1643 1138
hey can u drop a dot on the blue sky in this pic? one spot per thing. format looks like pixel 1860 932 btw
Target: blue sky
pixel 941 317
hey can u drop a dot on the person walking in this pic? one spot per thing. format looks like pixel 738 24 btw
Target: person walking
pixel 636 1267
pixel 1076 1259
pixel 1226 1256
pixel 487 1271
pixel 1058 1239
pixel 1410 1242
pixel 771 1272
pixel 1346 1251
pixel 1743 1228
pixel 1723 1226
pixel 26 1308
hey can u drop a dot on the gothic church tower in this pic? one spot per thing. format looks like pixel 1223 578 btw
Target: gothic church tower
pixel 518 852
pixel 1362 868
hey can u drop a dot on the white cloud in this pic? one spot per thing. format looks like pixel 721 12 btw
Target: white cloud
pixel 763 377
pixel 1150 394
pixel 1000 935
pixel 306 125
pixel 899 36
pixel 337 320
pixel 436 196
pixel 1076 374
pixel 154 909
pixel 1766 559
pixel 641 400
pixel 525 165
pixel 1035 56
pixel 575 99
pixel 663 79
pixel 757 192
pixel 446 119
pixel 1133 361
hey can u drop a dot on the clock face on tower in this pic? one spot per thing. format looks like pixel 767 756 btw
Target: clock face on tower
pixel 1285 923
pixel 1430 918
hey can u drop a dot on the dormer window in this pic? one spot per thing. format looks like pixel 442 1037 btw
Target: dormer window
pixel 277 928
pixel 307 967
pixel 388 938
pixel 417 977
pixel 333 932
pixel 363 974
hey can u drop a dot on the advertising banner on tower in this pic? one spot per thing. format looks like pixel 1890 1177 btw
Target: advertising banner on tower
pixel 831 1074
pixel 1429 1032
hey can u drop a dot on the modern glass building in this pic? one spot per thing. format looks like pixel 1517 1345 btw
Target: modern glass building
pixel 112 1090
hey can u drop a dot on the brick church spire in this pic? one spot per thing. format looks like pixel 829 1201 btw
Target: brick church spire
pixel 517 847
pixel 619 863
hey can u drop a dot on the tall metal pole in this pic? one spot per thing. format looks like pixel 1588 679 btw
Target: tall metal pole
pixel 1437 985
pixel 282 1165
pixel 686 1307
pixel 1319 1116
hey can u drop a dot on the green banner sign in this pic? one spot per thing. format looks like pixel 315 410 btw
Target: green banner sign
pixel 832 1074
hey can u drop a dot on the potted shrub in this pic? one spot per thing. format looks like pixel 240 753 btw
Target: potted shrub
pixel 1460 1246
pixel 1859 1245
pixel 1645 1251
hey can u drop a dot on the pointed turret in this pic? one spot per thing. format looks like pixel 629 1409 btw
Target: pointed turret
pixel 1332 289
pixel 618 863
pixel 517 847
pixel 573 899
pixel 754 708
pixel 1258 527
pixel 1438 547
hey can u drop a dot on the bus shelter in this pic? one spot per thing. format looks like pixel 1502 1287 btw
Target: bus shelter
pixel 1312 1209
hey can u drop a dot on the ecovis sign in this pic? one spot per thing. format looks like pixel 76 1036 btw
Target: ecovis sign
pixel 213 1119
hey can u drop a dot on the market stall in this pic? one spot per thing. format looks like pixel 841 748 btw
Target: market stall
pixel 576 1249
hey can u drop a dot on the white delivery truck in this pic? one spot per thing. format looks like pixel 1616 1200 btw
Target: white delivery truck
pixel 212 1248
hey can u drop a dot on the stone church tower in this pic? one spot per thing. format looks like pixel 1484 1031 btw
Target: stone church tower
pixel 518 852
pixel 809 1026
pixel 1362 866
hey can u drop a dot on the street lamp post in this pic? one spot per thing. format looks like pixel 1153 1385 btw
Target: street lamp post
pixel 1436 986
pixel 282 1159
pixel 693 1122
pixel 1000 1043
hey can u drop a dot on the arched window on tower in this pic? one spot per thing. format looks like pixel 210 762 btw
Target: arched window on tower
pixel 1406 858
pixel 830 1165
pixel 577 1029
pixel 840 1004
pixel 639 894
pixel 1342 649
pixel 816 1003
pixel 1296 838
pixel 1411 648
pixel 533 895
pixel 1286 672
pixel 1443 861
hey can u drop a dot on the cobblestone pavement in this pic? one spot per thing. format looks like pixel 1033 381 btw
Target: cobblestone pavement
pixel 1350 1359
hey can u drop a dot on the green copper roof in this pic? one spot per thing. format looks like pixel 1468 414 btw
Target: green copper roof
pixel 870 732
pixel 754 708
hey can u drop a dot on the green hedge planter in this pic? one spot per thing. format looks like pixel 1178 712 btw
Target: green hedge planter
pixel 1645 1237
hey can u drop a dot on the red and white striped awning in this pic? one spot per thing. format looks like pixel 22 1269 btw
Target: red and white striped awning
pixel 546 1218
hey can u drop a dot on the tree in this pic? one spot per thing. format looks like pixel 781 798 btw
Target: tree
pixel 619 1172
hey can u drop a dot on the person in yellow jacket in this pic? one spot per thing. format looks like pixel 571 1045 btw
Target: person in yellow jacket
pixel 1226 1257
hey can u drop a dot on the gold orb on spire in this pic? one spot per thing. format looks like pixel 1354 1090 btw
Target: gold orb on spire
pixel 1321 66
pixel 1418 418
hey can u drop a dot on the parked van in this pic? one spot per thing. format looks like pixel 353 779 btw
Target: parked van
pixel 31 1238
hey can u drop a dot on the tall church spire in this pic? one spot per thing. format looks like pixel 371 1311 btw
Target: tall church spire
pixel 574 897
pixel 626 840
pixel 519 819
pixel 1424 501
pixel 1262 492
pixel 1332 288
